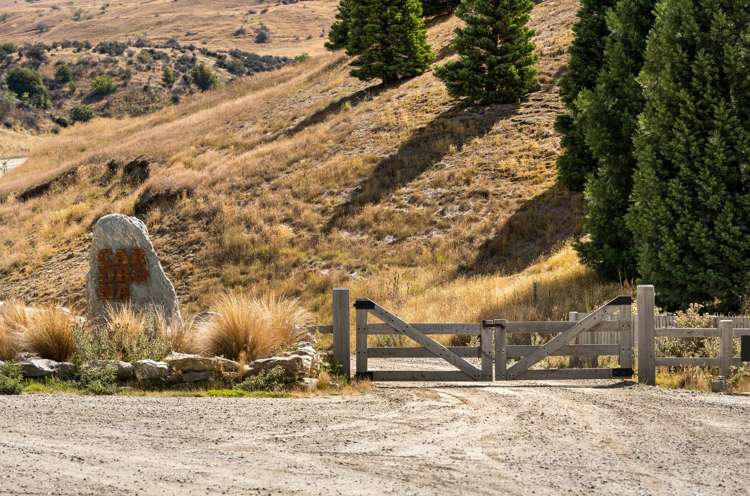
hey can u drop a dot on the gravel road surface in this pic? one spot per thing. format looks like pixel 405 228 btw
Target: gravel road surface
pixel 518 438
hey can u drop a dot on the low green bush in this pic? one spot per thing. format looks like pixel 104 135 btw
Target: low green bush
pixel 81 113
pixel 11 378
pixel 99 381
pixel 268 380
pixel 103 85
pixel 204 78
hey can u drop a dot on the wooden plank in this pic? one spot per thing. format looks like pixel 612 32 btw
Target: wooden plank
pixel 677 332
pixel 341 344
pixel 462 351
pixel 742 332
pixel 555 326
pixel 501 357
pixel 417 375
pixel 586 350
pixel 325 328
pixel 566 374
pixel 646 349
pixel 626 337
pixel 575 361
pixel 361 342
pixel 727 347
pixel 487 347
pixel 687 362
pixel 437 328
pixel 438 349
pixel 588 322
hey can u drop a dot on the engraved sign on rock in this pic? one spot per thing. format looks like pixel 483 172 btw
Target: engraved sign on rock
pixel 118 269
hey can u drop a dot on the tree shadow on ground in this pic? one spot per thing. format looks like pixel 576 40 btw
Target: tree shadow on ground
pixel 428 145
pixel 539 227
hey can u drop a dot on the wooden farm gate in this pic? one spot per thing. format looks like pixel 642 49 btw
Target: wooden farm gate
pixel 495 351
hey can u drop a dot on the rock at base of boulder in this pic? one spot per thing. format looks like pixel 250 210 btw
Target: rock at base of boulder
pixel 39 368
pixel 150 371
pixel 183 362
pixel 294 366
pixel 124 369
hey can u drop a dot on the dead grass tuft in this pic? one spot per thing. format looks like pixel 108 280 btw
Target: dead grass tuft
pixel 14 319
pixel 257 327
pixel 50 333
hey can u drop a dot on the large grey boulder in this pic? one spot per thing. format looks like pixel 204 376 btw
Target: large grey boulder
pixel 150 371
pixel 294 367
pixel 124 267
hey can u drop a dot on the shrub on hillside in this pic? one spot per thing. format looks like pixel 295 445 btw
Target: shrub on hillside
pixel 257 327
pixel 168 77
pixel 204 78
pixel 263 35
pixel 11 378
pixel 103 85
pixel 81 113
pixel 50 333
pixel 63 73
pixel 27 84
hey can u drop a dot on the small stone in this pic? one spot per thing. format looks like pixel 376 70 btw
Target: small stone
pixel 150 370
pixel 36 368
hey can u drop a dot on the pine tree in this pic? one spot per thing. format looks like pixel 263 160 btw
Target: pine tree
pixel 586 59
pixel 691 199
pixel 608 116
pixel 497 59
pixel 338 37
pixel 389 39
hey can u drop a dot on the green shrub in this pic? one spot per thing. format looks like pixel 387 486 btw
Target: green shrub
pixel 63 74
pixel 168 77
pixel 11 378
pixel 103 85
pixel 204 78
pixel 99 381
pixel 27 84
pixel 268 380
pixel 81 113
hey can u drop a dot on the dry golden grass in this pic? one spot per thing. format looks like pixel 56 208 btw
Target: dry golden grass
pixel 242 325
pixel 295 28
pixel 13 320
pixel 50 333
pixel 695 378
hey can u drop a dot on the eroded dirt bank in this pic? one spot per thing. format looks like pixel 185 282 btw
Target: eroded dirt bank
pixel 522 438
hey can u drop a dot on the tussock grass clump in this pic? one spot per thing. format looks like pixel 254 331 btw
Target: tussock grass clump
pixel 256 327
pixel 14 319
pixel 50 333
pixel 130 335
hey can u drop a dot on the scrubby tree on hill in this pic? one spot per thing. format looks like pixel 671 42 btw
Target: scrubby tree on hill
pixel 586 58
pixel 389 40
pixel 691 198
pixel 609 116
pixel 27 84
pixel 204 78
pixel 496 55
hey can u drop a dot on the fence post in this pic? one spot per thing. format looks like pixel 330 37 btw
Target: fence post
pixel 726 328
pixel 575 361
pixel 341 345
pixel 646 332
pixel 488 351
pixel 361 342
pixel 501 353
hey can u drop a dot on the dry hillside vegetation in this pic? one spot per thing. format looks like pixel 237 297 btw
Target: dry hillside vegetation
pixel 305 178
pixel 296 27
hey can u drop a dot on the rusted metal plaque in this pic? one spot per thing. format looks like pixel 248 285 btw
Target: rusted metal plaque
pixel 118 269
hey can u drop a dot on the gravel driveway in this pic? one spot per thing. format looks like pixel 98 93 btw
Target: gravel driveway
pixel 519 438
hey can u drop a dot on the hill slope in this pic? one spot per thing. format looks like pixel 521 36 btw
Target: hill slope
pixel 305 178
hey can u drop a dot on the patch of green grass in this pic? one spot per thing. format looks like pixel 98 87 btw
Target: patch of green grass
pixel 51 386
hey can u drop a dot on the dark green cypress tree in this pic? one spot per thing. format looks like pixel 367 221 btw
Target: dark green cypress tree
pixel 438 7
pixel 389 39
pixel 496 55
pixel 586 58
pixel 609 115
pixel 691 199
pixel 338 37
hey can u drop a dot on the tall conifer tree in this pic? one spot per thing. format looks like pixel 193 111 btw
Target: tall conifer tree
pixel 586 59
pixel 496 55
pixel 338 37
pixel 691 200
pixel 389 39
pixel 609 115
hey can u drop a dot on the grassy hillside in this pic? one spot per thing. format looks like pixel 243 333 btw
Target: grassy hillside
pixel 305 178
pixel 296 27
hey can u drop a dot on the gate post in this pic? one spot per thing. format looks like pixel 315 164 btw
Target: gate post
pixel 626 337
pixel 488 351
pixel 646 332
pixel 341 344
pixel 726 328
pixel 362 307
